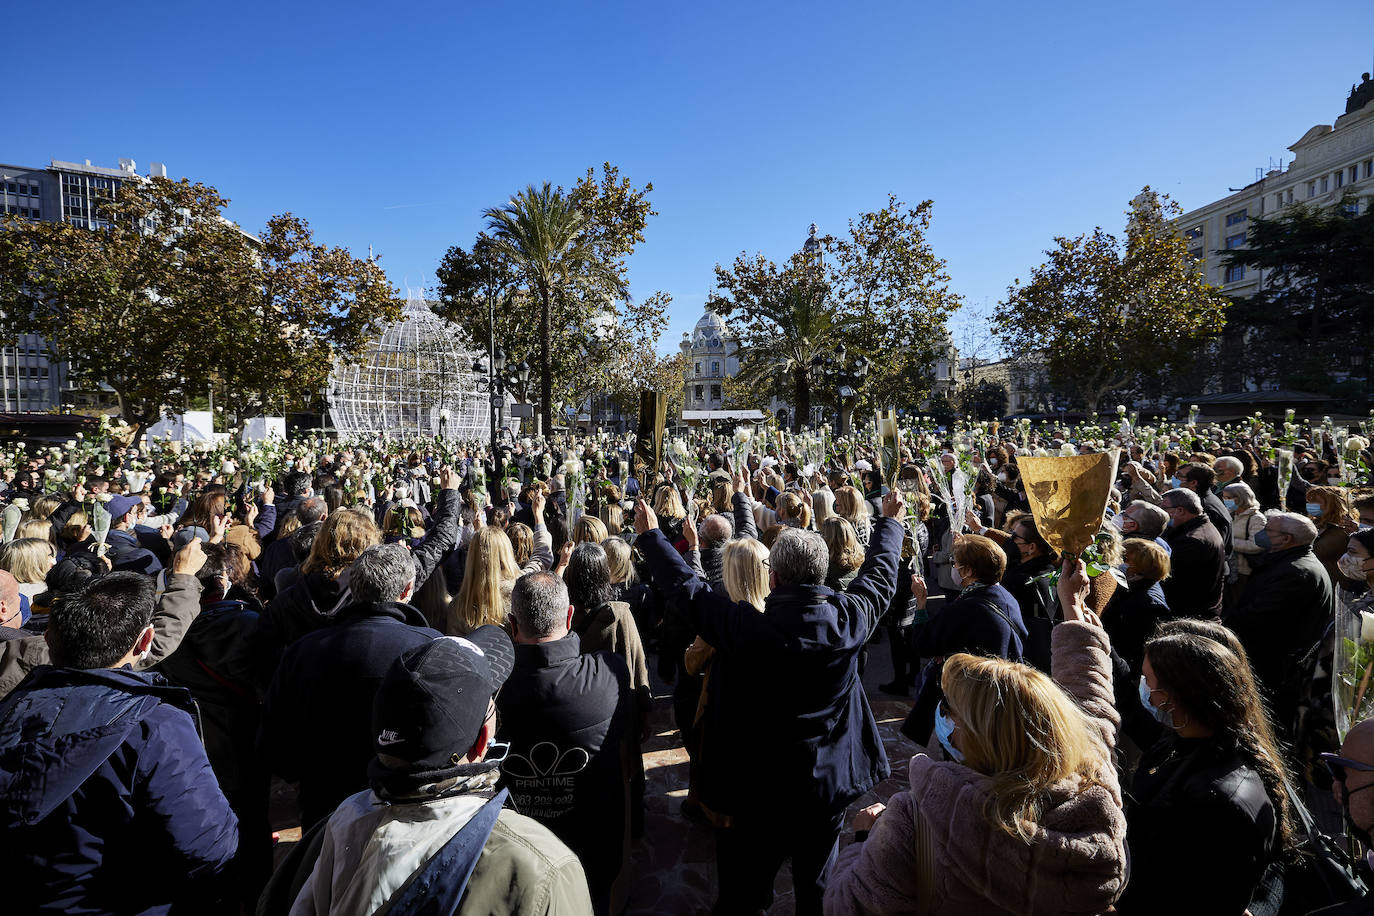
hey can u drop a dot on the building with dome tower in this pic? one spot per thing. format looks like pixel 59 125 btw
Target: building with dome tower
pixel 712 352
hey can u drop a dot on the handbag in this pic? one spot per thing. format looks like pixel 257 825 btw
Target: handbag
pixel 1322 873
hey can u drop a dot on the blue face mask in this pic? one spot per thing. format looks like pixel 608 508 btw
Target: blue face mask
pixel 1230 505
pixel 1175 482
pixel 1262 539
pixel 944 727
pixel 1162 716
pixel 1314 509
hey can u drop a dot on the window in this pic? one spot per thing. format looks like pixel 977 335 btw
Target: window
pixel 1195 232
pixel 715 392
pixel 715 368
pixel 1325 184
pixel 1352 208
pixel 698 372
pixel 1340 178
pixel 1311 189
pixel 1197 254
pixel 1235 272
pixel 1354 174
pixel 1369 168
pixel 1235 241
pixel 698 392
pixel 1237 217
pixel 1288 196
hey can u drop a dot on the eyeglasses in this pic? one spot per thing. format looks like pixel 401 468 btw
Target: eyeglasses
pixel 1337 765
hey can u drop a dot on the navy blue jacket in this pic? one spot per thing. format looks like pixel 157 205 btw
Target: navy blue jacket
pixel 317 717
pixel 785 684
pixel 103 780
pixel 969 624
pixel 127 554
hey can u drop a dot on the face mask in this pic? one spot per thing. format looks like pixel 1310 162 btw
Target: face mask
pixel 944 727
pixel 1013 552
pixel 1351 566
pixel 992 462
pixel 1314 509
pixel 1002 476
pixel 1119 521
pixel 1230 505
pixel 1175 482
pixel 1262 539
pixel 1162 716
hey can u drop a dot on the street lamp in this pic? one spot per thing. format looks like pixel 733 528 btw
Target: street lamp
pixel 498 380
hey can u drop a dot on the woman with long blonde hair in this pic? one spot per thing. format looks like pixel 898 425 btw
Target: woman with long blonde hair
pixel 311 601
pixel 488 577
pixel 28 559
pixel 851 506
pixel 1024 813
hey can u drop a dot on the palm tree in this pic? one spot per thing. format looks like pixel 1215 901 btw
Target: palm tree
pixel 804 325
pixel 545 236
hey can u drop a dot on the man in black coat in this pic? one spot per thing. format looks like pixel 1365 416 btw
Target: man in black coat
pixel 1285 608
pixel 567 717
pixel 785 688
pixel 317 717
pixel 1197 558
pixel 1200 479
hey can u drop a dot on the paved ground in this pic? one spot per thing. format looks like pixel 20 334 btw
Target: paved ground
pixel 672 869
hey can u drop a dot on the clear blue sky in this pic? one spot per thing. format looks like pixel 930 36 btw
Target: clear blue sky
pixel 393 125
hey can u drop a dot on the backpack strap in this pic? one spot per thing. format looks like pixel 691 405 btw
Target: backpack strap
pixel 437 888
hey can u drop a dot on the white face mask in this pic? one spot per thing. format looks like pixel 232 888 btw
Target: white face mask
pixel 1351 566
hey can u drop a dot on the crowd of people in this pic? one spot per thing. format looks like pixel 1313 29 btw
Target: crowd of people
pixel 445 655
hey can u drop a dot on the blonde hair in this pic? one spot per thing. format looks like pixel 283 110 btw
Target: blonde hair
pixel 1336 508
pixel 40 528
pixel 75 522
pixel 589 528
pixel 822 506
pixel 521 542
pixel 404 521
pixel 842 543
pixel 43 507
pixel 850 504
pixel 1023 731
pixel 791 506
pixel 746 576
pixel 343 536
pixel 668 503
pixel 484 596
pixel 618 558
pixel 613 517
pixel 1147 557
pixel 27 559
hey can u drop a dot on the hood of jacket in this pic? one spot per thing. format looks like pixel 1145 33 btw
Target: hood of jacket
pixel 61 724
pixel 395 610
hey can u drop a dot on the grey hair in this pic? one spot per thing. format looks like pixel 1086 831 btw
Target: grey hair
pixel 716 530
pixel 1151 519
pixel 381 573
pixel 1299 527
pixel 1229 462
pixel 1241 493
pixel 1183 498
pixel 312 509
pixel 799 557
pixel 540 604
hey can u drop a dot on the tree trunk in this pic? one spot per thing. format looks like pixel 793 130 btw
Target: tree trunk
pixel 545 373
pixel 801 399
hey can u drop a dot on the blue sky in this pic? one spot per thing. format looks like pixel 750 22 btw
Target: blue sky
pixel 393 125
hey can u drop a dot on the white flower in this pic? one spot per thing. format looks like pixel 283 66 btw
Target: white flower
pixel 1366 626
pixel 1066 450
pixel 742 435
pixel 71 443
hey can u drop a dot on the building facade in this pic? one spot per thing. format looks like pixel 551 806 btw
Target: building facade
pixel 1329 161
pixel 70 192
pixel 712 352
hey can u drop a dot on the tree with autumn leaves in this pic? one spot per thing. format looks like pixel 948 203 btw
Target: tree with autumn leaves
pixel 1110 316
pixel 169 297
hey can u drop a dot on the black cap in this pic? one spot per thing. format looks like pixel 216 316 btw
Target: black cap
pixel 431 704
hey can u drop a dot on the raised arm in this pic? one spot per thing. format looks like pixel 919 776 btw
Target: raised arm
pixel 743 512
pixel 443 534
pixel 179 605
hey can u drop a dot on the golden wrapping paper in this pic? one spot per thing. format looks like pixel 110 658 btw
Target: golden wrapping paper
pixel 1068 496
pixel 648 454
pixel 889 445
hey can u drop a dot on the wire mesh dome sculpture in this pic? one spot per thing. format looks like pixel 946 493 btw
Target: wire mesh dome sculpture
pixel 416 379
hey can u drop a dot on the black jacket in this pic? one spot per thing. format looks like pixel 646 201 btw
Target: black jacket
pixel 568 718
pixel 1217 514
pixel 784 684
pixel 1130 619
pixel 317 717
pixel 1197 569
pixel 970 624
pixel 1201 829
pixel 1283 612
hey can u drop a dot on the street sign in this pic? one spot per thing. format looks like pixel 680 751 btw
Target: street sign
pixel 522 410
pixel 497 400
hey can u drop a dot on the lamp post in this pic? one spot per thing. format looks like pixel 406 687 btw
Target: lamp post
pixel 842 374
pixel 499 378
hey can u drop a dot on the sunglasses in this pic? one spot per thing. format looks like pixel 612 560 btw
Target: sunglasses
pixel 1337 766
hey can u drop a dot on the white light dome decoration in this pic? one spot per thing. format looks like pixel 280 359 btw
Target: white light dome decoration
pixel 415 380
